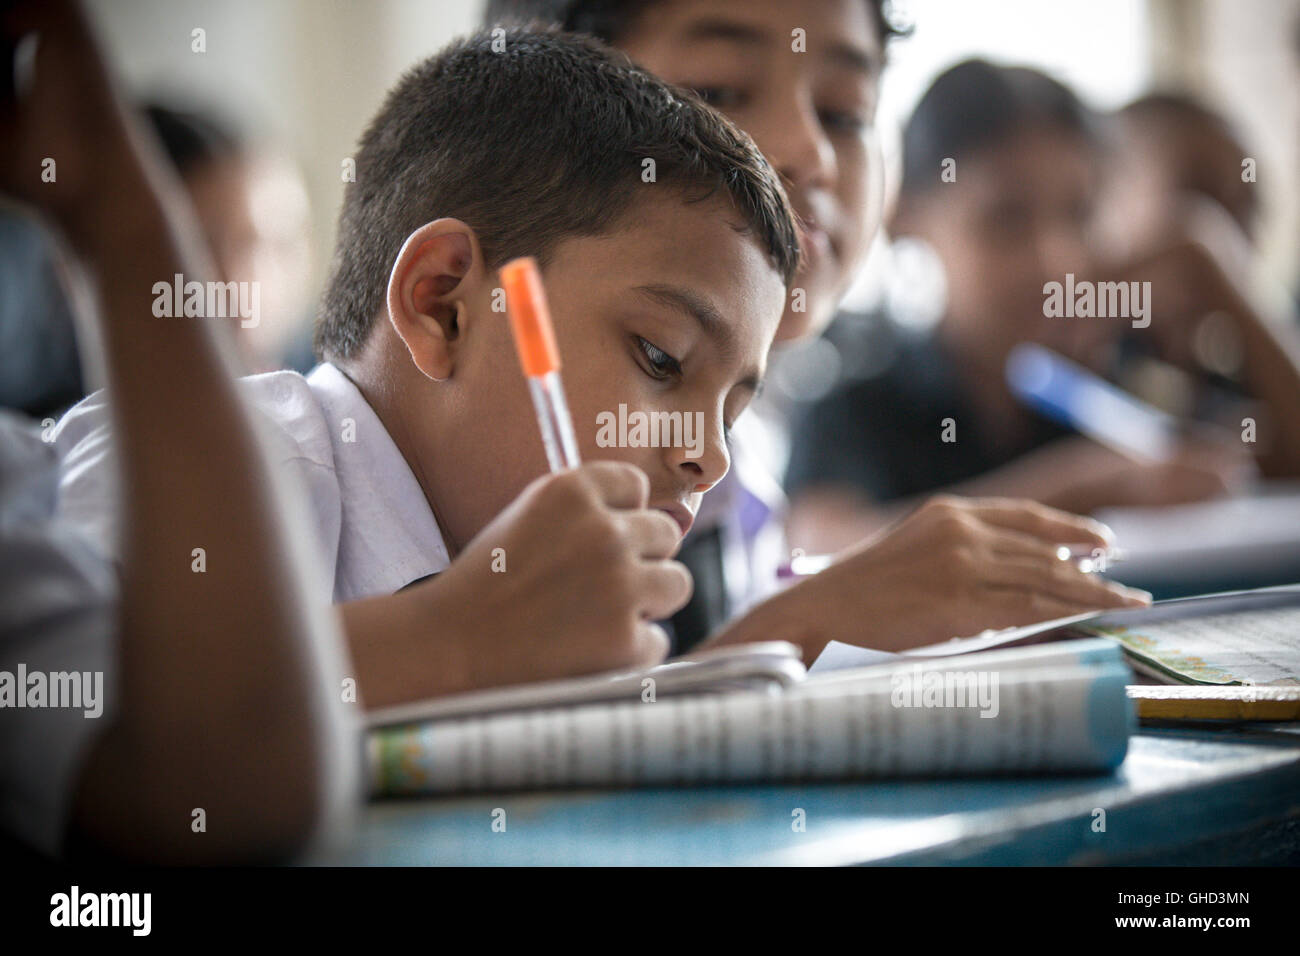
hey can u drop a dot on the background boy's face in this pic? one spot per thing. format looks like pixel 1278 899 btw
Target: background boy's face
pixel 1017 217
pixel 624 309
pixel 808 112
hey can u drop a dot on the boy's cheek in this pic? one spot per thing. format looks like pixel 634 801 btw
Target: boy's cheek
pixel 606 432
pixel 802 323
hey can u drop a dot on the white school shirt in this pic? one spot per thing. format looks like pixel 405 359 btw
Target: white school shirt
pixel 375 530
pixel 57 615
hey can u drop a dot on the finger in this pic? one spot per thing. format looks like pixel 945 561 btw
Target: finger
pixel 1191 483
pixel 1003 545
pixel 1040 521
pixel 1013 556
pixel 618 484
pixel 651 644
pixel 1021 608
pixel 662 587
pixel 1062 581
pixel 652 533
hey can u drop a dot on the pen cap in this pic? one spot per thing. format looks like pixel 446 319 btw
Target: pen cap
pixel 530 319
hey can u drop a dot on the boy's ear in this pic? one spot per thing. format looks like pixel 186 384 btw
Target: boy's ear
pixel 439 269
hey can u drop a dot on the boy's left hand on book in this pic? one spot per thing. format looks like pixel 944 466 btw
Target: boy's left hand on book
pixel 954 567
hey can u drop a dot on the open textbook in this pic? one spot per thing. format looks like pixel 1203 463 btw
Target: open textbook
pixel 1059 707
pixel 1237 637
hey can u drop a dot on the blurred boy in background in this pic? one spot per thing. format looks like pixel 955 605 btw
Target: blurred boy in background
pixel 1018 213
pixel 254 216
pixel 252 206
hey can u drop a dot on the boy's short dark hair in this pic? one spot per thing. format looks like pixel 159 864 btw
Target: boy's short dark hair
pixel 1174 107
pixel 977 104
pixel 531 138
pixel 609 20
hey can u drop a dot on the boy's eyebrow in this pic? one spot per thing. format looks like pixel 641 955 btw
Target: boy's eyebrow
pixel 707 315
pixel 844 53
pixel 855 58
pixel 690 302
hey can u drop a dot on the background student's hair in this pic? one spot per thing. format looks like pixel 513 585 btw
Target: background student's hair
pixel 608 20
pixel 976 104
pixel 455 138
pixel 1198 149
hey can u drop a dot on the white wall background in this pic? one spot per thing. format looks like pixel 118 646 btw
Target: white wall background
pixel 309 73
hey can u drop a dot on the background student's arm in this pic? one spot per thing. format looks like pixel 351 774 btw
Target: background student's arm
pixel 1074 474
pixel 228 696
pixel 1209 266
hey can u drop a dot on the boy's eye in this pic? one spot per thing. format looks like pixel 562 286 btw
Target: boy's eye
pixel 720 97
pixel 662 365
pixel 1009 219
pixel 843 122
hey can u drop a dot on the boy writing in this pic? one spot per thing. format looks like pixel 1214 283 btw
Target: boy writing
pixel 667 246
pixel 803 81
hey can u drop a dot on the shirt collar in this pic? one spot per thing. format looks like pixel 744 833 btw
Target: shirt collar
pixel 388 537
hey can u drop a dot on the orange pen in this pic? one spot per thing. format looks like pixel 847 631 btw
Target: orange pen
pixel 530 321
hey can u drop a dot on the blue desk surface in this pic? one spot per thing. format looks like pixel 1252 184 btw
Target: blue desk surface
pixel 1176 787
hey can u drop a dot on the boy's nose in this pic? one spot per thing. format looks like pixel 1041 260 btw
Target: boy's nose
pixel 1056 249
pixel 704 463
pixel 797 146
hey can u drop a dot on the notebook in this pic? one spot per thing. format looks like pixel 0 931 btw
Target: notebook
pixel 1053 708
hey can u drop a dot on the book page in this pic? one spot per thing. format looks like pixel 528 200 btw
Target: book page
pixel 1259 646
pixel 837 656
pixel 766 665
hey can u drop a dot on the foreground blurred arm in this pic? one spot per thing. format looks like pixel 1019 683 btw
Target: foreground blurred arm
pixel 228 681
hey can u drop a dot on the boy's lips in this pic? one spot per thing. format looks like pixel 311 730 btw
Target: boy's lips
pixel 818 228
pixel 816 241
pixel 681 514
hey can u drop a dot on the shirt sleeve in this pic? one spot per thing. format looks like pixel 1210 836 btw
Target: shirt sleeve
pixel 292 432
pixel 296 439
pixel 57 623
pixel 88 497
